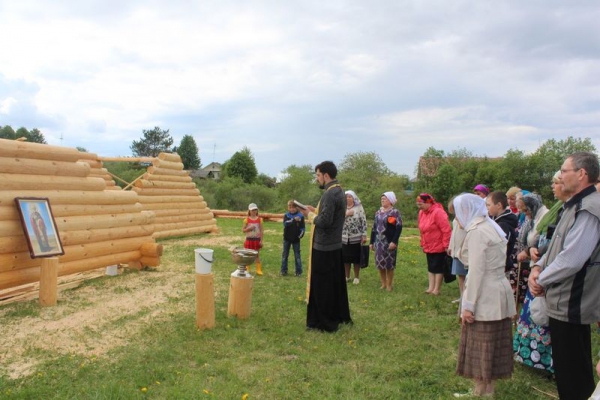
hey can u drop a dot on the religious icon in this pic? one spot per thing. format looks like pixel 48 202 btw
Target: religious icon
pixel 39 227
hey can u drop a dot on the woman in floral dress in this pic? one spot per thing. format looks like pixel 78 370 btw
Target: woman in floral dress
pixel 386 231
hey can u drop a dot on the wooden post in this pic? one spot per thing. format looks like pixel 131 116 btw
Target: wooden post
pixel 205 301
pixel 240 296
pixel 49 282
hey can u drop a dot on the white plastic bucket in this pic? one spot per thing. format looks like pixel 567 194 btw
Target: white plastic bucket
pixel 204 260
pixel 112 270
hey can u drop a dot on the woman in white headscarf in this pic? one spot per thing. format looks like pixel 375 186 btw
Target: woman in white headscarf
pixel 485 349
pixel 354 234
pixel 386 231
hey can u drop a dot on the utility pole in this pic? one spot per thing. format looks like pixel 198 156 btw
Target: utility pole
pixel 214 149
pixel 61 138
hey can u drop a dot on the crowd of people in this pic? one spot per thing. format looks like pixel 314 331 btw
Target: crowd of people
pixel 510 253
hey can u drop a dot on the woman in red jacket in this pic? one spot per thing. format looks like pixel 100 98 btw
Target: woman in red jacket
pixel 435 229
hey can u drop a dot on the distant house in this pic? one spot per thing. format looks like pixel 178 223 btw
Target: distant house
pixel 211 171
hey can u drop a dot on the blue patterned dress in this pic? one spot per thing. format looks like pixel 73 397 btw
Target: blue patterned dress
pixel 531 343
pixel 384 259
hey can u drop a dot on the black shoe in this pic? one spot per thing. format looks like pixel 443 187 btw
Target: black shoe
pixel 300 274
pixel 283 273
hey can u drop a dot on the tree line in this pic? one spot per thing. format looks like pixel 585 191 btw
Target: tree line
pixel 440 173
pixel 34 135
pixel 459 170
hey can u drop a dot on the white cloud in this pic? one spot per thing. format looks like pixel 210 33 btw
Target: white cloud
pixel 338 77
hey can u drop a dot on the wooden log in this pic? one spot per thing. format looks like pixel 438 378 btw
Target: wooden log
pixel 29 275
pixel 44 182
pixel 88 156
pixel 150 249
pixel 69 238
pixel 166 178
pixel 163 164
pixel 94 164
pixel 13 244
pixel 144 199
pixel 143 183
pixel 160 209
pixel 8 213
pixel 150 261
pixel 71 196
pixel 49 282
pixel 78 223
pixel 67 210
pixel 10 228
pixel 181 225
pixel 127 159
pixel 165 171
pixel 173 157
pixel 178 211
pixel 205 301
pixel 171 219
pixel 28 166
pixel 135 265
pixel 38 151
pixel 186 231
pixel 15 261
pixel 240 297
pixel 196 205
pixel 166 192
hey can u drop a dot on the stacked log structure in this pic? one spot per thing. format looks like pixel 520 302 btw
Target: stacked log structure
pixel 97 227
pixel 167 190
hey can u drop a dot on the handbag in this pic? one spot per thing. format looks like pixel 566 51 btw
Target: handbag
pixel 538 312
pixel 448 276
pixel 364 255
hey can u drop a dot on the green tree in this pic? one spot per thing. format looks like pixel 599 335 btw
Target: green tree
pixel 155 141
pixel 82 149
pixel 188 151
pixel 266 180
pixel 298 183
pixel 548 158
pixel 444 184
pixel 22 132
pixel 242 165
pixel 33 136
pixel 36 136
pixel 7 132
pixel 369 177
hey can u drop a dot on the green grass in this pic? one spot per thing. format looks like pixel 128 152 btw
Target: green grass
pixel 402 344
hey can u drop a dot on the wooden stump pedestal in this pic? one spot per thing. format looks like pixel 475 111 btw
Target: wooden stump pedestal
pixel 49 282
pixel 205 301
pixel 240 296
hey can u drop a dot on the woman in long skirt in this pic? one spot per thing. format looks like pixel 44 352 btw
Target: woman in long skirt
pixel 487 306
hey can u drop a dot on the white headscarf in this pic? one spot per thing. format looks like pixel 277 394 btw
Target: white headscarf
pixel 354 196
pixel 391 196
pixel 469 206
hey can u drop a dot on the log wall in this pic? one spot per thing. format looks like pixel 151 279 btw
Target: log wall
pixel 167 190
pixel 99 224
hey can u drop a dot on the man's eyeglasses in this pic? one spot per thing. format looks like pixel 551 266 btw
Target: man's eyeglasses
pixel 562 171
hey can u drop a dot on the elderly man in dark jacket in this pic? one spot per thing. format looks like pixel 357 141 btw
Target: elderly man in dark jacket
pixel 327 293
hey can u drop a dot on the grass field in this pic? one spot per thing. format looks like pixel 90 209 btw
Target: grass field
pixel 402 344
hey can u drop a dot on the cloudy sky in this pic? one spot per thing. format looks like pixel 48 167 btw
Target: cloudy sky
pixel 300 82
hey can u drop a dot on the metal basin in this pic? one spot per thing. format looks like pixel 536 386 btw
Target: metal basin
pixel 243 256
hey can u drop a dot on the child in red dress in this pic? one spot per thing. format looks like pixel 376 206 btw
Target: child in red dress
pixel 253 228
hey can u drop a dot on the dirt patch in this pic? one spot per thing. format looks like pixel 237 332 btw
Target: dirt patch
pixel 93 320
